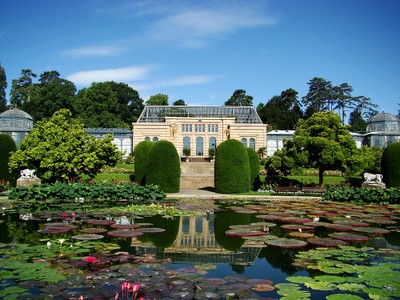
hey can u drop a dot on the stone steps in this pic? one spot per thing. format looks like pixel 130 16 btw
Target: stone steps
pixel 197 175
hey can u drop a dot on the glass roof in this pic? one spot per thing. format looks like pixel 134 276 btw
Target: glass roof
pixel 242 114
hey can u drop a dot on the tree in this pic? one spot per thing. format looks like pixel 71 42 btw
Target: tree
pixel 52 94
pixel 60 149
pixel 319 96
pixel 23 88
pixel 179 102
pixel 3 86
pixel 7 146
pixel 365 106
pixel 239 98
pixel 158 99
pixel 364 159
pixel 356 122
pixel 108 105
pixel 281 112
pixel 320 142
pixel 343 99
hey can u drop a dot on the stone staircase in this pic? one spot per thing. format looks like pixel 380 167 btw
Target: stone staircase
pixel 197 175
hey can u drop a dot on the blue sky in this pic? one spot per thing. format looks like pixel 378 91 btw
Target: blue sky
pixel 201 51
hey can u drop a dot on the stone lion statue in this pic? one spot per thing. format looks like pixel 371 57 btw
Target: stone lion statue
pixel 368 177
pixel 27 173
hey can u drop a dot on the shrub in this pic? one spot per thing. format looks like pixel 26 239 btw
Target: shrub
pixel 232 168
pixel 390 165
pixel 163 166
pixel 254 169
pixel 7 145
pixel 141 151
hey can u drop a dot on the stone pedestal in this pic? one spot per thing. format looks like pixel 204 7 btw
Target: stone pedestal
pixel 28 181
pixel 374 185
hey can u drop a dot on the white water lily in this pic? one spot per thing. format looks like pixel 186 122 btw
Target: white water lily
pixel 48 244
pixel 61 241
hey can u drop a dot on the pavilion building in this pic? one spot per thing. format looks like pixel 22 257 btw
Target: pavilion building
pixel 200 128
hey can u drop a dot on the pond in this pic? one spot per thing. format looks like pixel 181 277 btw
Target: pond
pixel 230 250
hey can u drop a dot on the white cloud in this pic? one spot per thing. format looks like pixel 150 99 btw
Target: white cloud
pixel 119 75
pixel 93 51
pixel 193 27
pixel 172 82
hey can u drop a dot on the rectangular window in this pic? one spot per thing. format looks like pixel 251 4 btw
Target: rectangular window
pixel 186 128
pixel 212 128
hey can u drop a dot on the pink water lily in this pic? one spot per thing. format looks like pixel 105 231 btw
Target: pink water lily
pixel 90 260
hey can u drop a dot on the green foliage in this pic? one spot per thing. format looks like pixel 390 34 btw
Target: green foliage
pixel 320 142
pixel 158 99
pixel 363 195
pixel 60 149
pixel 391 165
pixel 186 152
pixel 211 153
pixel 87 191
pixel 232 168
pixel 239 98
pixel 163 166
pixel 7 146
pixel 108 105
pixel 254 169
pixel 281 112
pixel 141 152
pixel 364 159
pixel 3 86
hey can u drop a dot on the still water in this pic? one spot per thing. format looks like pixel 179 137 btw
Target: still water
pixel 186 257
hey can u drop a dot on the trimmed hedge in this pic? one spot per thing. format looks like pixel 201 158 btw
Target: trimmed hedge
pixel 254 169
pixel 141 151
pixel 7 145
pixel 163 166
pixel 232 168
pixel 390 165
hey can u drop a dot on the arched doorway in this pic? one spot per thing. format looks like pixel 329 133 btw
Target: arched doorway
pixel 199 146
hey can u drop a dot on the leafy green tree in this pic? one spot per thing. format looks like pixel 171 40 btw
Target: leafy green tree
pixel 239 98
pixel 320 142
pixel 158 99
pixel 281 112
pixel 52 94
pixel 356 122
pixel 3 86
pixel 343 99
pixel 60 149
pixel 366 107
pixel 22 89
pixel 108 105
pixel 7 146
pixel 364 159
pixel 319 96
pixel 179 102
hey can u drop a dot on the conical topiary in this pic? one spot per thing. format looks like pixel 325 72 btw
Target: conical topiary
pixel 390 165
pixel 7 145
pixel 232 168
pixel 163 166
pixel 141 151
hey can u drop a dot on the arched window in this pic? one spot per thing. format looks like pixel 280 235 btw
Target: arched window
pixel 253 144
pixel 244 142
pixel 147 138
pixel 199 146
pixel 155 139
pixel 212 143
pixel 186 142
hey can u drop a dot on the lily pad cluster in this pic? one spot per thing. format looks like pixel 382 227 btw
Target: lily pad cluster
pixel 317 223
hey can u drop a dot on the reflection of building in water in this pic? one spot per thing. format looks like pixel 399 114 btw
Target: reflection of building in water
pixel 195 243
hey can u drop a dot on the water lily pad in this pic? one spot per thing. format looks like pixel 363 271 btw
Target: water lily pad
pixel 301 235
pixel 263 288
pixel 326 242
pixel 239 233
pixel 151 230
pixel 53 230
pixel 100 222
pixel 296 220
pixel 206 267
pixel 343 297
pixel 320 286
pixel 124 226
pixel 94 230
pixel 349 237
pixel 297 227
pixel 372 230
pixel 286 243
pixel 258 281
pixel 87 237
pixel 351 223
pixel 125 233
pixel 338 227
